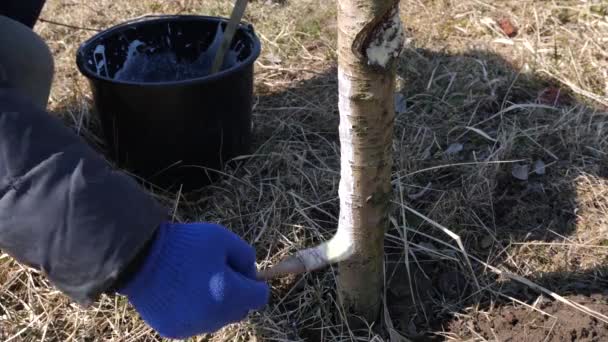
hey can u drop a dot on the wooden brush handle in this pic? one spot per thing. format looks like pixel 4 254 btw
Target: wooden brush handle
pixel 235 19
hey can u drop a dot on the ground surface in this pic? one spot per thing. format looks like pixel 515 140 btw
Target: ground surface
pixel 500 140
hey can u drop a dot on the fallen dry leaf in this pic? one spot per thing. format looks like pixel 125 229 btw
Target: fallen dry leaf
pixel 520 172
pixel 507 27
pixel 454 149
pixel 539 167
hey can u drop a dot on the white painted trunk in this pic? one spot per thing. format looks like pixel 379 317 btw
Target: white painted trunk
pixel 370 38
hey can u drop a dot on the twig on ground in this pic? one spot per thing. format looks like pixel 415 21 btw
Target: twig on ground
pixel 75 27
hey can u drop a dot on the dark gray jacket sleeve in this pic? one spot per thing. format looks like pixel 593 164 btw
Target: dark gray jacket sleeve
pixel 63 209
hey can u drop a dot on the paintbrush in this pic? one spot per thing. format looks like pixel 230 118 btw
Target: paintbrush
pixel 235 19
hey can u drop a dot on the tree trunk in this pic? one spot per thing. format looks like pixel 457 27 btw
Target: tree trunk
pixel 370 38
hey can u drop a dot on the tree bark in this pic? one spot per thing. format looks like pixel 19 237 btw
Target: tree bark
pixel 370 38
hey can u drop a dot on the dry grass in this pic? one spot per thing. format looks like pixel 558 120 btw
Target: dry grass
pixel 463 82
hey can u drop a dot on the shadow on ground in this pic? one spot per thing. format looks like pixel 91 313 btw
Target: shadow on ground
pixel 511 162
pixel 531 202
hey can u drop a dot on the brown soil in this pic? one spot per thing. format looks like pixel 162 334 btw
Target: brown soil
pixel 509 323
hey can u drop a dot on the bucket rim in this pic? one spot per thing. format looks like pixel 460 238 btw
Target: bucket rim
pixel 243 26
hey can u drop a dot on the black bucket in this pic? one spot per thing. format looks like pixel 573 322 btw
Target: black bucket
pixel 172 131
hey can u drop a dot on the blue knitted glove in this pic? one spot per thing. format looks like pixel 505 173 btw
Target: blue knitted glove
pixel 196 279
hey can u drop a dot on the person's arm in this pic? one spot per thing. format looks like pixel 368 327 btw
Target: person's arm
pixel 24 11
pixel 63 209
pixel 91 229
